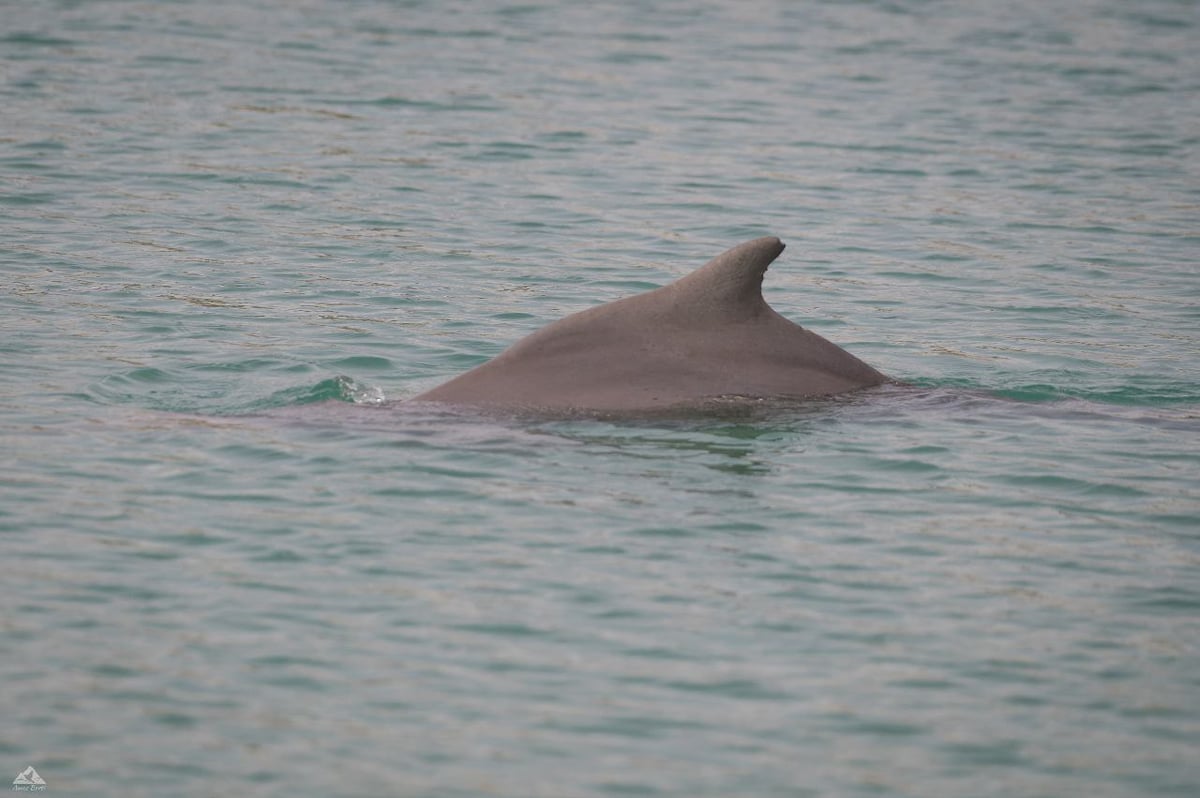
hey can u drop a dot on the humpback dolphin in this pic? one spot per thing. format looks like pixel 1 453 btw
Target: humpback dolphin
pixel 709 335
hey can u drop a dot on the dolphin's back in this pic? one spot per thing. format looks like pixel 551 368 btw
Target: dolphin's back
pixel 709 334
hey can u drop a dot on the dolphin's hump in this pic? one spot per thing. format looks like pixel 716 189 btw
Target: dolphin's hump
pixel 728 287
pixel 725 290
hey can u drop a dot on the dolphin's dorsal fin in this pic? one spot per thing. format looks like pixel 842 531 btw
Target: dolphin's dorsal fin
pixel 731 283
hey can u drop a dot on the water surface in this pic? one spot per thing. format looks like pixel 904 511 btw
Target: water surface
pixel 235 236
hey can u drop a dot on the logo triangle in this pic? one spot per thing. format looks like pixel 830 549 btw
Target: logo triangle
pixel 28 776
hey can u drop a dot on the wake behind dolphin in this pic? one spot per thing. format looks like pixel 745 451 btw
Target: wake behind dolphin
pixel 705 336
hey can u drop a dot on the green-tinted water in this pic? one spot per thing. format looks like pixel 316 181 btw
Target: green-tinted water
pixel 235 235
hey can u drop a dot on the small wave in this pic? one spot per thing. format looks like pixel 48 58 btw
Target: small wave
pixel 1131 395
pixel 1137 392
pixel 178 391
pixel 339 389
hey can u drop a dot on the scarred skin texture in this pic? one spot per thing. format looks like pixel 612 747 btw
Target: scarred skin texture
pixel 707 335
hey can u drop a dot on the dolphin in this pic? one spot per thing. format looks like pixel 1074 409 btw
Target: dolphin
pixel 707 336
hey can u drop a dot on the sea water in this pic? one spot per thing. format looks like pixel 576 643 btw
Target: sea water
pixel 235 236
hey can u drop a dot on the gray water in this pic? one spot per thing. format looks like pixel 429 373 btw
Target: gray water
pixel 234 236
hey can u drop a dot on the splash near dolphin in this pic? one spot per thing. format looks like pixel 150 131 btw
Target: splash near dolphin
pixel 706 336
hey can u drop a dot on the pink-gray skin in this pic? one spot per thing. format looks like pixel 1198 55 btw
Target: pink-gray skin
pixel 709 335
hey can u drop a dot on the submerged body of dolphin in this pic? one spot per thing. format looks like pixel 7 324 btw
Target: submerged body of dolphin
pixel 708 335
